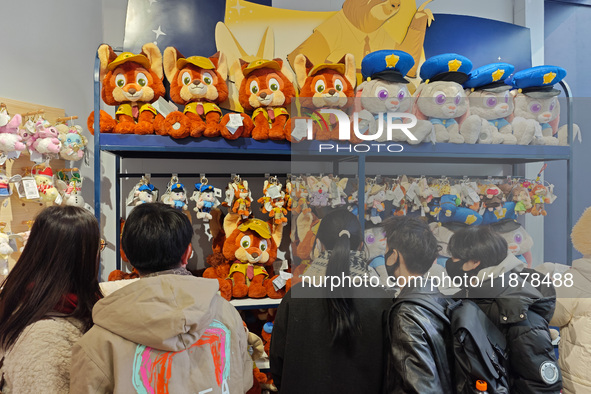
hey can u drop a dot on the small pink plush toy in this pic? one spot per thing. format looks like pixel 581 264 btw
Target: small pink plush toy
pixel 45 140
pixel 10 140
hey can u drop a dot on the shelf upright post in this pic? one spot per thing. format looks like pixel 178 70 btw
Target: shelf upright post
pixel 118 211
pixel 361 190
pixel 569 172
pixel 97 140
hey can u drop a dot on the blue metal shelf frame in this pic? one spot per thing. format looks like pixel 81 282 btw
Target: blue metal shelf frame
pixel 131 145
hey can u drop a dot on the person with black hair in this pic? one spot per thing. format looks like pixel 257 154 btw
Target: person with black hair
pixel 420 358
pixel 46 301
pixel 168 331
pixel 515 299
pixel 329 339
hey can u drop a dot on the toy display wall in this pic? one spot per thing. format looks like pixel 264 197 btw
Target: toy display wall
pixel 16 213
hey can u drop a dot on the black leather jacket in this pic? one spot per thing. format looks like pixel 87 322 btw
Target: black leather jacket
pixel 420 359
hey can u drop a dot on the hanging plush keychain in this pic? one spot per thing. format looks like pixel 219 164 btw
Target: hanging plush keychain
pixel 73 142
pixel 5 181
pixel 44 143
pixel 45 183
pixel 205 197
pixel 73 191
pixel 175 194
pixel 238 197
pixel 142 192
pixel 11 142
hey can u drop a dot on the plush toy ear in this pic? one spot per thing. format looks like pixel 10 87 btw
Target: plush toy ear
pixel 276 233
pixel 106 55
pixel 286 70
pixel 231 222
pixel 415 108
pixel 300 66
pixel 350 70
pixel 220 63
pixel 171 55
pixel 236 71
pixel 153 54
pixel 311 181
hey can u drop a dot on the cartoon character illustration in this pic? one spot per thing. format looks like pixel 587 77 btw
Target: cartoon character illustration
pixel 266 89
pixel 324 86
pixel 132 82
pixel 441 99
pixel 362 26
pixel 384 90
pixel 250 246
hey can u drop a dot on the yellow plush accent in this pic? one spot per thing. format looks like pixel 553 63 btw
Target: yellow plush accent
pixel 581 234
pixel 549 77
pixel 454 65
pixel 391 61
pixel 497 75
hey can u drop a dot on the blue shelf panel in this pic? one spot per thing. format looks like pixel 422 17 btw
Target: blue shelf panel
pixel 121 143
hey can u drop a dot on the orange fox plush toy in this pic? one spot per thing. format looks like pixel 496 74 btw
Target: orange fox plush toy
pixel 327 85
pixel 250 246
pixel 266 89
pixel 132 82
pixel 198 83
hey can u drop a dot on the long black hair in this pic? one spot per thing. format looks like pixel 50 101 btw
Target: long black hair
pixel 60 258
pixel 340 233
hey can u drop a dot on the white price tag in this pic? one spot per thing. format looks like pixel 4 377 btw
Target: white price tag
pixel 412 191
pixel 3 159
pixel 13 155
pixel 30 189
pixel 36 157
pixel 217 192
pixel 164 107
pixel 273 191
pixel 59 199
pixel 474 196
pixel 397 196
pixel 300 129
pixel 234 122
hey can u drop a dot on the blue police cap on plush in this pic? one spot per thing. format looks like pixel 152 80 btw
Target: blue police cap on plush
pixel 539 81
pixel 447 67
pixel 490 77
pixel 148 187
pixel 178 187
pixel 507 211
pixel 202 187
pixel 390 65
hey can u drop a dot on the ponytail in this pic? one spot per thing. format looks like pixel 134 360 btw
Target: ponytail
pixel 341 232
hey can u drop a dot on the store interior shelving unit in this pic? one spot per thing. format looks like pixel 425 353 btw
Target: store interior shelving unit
pixel 154 146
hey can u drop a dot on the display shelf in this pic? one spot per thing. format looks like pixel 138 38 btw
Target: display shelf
pixel 254 303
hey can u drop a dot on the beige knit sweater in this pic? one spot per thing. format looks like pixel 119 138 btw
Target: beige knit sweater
pixel 39 361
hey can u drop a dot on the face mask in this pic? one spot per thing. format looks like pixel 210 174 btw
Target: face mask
pixel 456 268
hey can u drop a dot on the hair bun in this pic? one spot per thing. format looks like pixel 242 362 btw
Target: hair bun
pixel 345 232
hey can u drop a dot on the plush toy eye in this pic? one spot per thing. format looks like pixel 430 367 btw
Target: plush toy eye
pixel 274 84
pixel 518 238
pixel 401 94
pixel 254 87
pixel 490 101
pixel 458 99
pixel 320 86
pixel 245 242
pixel 141 79
pixel 263 245
pixel 207 78
pixel 120 80
pixel 507 97
pixel 186 78
pixel 382 94
pixel 439 98
pixel 338 85
pixel 535 107
pixel 552 105
pixel 370 239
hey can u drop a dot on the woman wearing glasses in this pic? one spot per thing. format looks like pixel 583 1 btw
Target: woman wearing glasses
pixel 46 301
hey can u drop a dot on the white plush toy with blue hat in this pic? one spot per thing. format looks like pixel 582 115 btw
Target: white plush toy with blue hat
pixel 441 99
pixel 536 101
pixel 491 100
pixel 384 91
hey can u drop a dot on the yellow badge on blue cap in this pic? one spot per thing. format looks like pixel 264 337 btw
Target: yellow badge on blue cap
pixel 454 65
pixel 391 61
pixel 497 75
pixel 549 77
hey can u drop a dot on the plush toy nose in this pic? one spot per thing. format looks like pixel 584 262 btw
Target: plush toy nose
pixel 547 115
pixel 394 102
pixel 452 107
pixel 196 82
pixel 331 91
pixel 131 91
pixel 263 95
pixel 255 255
pixel 504 106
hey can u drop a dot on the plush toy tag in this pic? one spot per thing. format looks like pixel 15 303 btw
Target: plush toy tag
pixel 131 195
pixel 13 155
pixel 164 107
pixel 281 280
pixel 234 122
pixel 217 192
pixel 398 195
pixel 273 191
pixel 538 131
pixel 36 157
pixel 300 129
pixel 58 199
pixel 3 159
pixel 29 189
pixel 412 191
